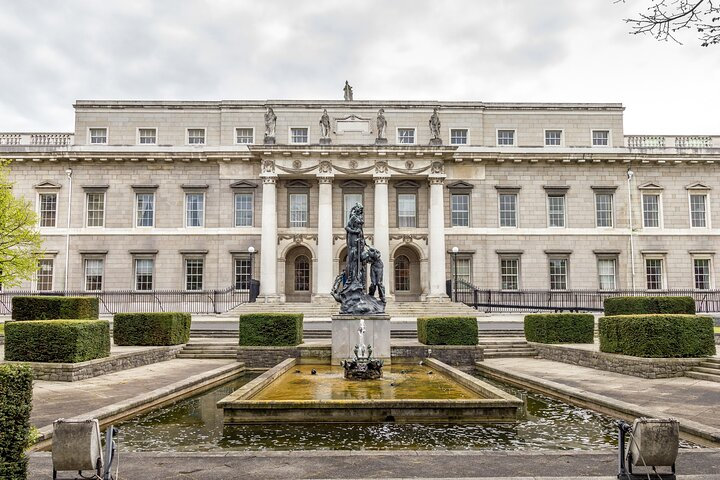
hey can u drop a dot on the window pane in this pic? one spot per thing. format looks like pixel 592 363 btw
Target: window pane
pixel 402 274
pixel 148 136
pixel 508 210
pixel 506 137
pixel 243 209
pixel 144 274
pixel 600 138
pixel 697 211
pixel 509 273
pixel 406 210
pixel 553 137
pixel 460 205
pixel 406 135
pixel 606 273
pixel 603 209
pixel 98 135
pixel 194 203
pixel 463 272
pixel 95 209
pixel 196 136
pixel 458 136
pixel 194 273
pixel 145 209
pixel 298 135
pixel 298 209
pixel 93 274
pixel 243 273
pixel 349 201
pixel 244 135
pixel 45 275
pixel 556 210
pixel 558 274
pixel 48 209
pixel 702 273
pixel 651 210
pixel 654 273
pixel 302 274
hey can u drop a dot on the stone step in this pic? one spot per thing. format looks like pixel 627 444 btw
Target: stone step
pixel 207 355
pixel 509 354
pixel 715 365
pixel 507 349
pixel 702 376
pixel 708 371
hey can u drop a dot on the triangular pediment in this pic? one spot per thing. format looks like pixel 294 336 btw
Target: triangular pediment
pixel 352 118
pixel 243 184
pixel 48 184
pixel 697 186
pixel 407 184
pixel 298 184
pixel 650 186
pixel 460 185
pixel 352 184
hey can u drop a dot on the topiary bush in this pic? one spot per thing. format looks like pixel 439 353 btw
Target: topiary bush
pixel 57 341
pixel 168 328
pixel 659 336
pixel 54 308
pixel 15 406
pixel 560 328
pixel 646 305
pixel 271 329
pixel 447 330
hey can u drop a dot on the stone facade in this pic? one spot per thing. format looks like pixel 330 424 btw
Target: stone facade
pixel 554 161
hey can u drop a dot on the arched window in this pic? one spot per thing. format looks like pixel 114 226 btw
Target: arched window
pixel 402 274
pixel 302 274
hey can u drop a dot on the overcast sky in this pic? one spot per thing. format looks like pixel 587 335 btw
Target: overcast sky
pixel 54 52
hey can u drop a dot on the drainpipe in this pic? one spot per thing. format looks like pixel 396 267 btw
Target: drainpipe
pixel 68 172
pixel 630 174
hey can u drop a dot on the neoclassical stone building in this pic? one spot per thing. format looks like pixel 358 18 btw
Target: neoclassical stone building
pixel 162 195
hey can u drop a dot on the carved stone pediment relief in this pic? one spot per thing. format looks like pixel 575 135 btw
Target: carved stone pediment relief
pixel 352 124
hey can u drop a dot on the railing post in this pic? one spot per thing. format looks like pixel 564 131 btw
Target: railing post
pixel 214 299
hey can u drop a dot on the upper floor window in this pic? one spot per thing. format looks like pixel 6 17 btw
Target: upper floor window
pixel 144 268
pixel 244 135
pixel 651 210
pixel 556 210
pixel 460 209
pixel 509 273
pixel 654 276
pixel 243 209
pixel 95 203
pixel 48 209
pixel 194 209
pixel 349 201
pixel 147 136
pixel 558 273
pixel 44 276
pixel 458 136
pixel 299 210
pixel 94 269
pixel 406 136
pixel 505 137
pixel 196 136
pixel 508 209
pixel 407 210
pixel 98 135
pixel 145 209
pixel 604 209
pixel 553 138
pixel 698 210
pixel 601 138
pixel 701 271
pixel 299 135
pixel 607 276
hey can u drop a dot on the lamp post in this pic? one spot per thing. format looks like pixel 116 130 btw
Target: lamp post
pixel 455 251
pixel 251 251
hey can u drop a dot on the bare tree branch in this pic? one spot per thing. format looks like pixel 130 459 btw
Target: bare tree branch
pixel 666 19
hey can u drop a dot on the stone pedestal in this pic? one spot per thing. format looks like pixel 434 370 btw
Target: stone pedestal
pixel 269 140
pixel 345 336
pixel 381 141
pixel 325 141
pixel 435 142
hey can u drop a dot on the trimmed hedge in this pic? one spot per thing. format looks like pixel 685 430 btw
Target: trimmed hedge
pixel 170 328
pixel 560 328
pixel 15 406
pixel 54 308
pixel 647 305
pixel 270 329
pixel 658 336
pixel 447 330
pixel 57 341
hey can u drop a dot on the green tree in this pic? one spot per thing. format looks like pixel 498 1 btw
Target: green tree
pixel 667 19
pixel 20 242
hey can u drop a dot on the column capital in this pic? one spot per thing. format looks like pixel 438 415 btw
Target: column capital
pixel 325 179
pixel 269 178
pixel 436 179
pixel 381 178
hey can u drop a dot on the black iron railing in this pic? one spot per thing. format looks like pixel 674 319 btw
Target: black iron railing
pixel 205 301
pixel 568 300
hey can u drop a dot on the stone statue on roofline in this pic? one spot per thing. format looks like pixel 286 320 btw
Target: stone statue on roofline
pixel 270 121
pixel 347 92
pixel 434 124
pixel 324 124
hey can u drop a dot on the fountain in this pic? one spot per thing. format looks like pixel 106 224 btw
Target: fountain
pixel 363 366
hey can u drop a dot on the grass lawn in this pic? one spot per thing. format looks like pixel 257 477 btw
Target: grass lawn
pixel 717 330
pixel 2 329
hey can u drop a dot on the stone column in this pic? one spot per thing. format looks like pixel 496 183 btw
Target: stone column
pixel 381 229
pixel 436 235
pixel 268 241
pixel 324 275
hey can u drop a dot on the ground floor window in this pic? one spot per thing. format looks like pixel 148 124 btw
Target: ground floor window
pixel 606 273
pixel 558 274
pixel 194 269
pixel 44 277
pixel 94 268
pixel 302 274
pixel 144 274
pixel 509 273
pixel 654 273
pixel 701 268
pixel 243 273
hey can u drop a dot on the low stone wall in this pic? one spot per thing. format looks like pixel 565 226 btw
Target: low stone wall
pixel 635 366
pixel 71 372
pixel 455 355
pixel 2 339
pixel 265 357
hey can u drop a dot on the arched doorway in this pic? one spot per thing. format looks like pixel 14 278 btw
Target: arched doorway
pixel 406 275
pixel 298 275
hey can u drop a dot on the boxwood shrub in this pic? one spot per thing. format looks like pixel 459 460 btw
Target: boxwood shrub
pixel 560 328
pixel 167 328
pixel 447 330
pixel 57 341
pixel 15 406
pixel 271 329
pixel 54 308
pixel 646 305
pixel 657 335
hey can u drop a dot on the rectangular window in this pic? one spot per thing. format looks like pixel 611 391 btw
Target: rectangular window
pixel 194 209
pixel 147 136
pixel 298 209
pixel 407 210
pixel 460 209
pixel 194 268
pixel 244 136
pixel 509 273
pixel 94 274
pixel 654 273
pixel 508 209
pixel 406 136
pixel 196 136
pixel 558 274
pixel 606 273
pixel 604 209
pixel 458 136
pixel 243 209
pixel 48 209
pixel 95 202
pixel 145 211
pixel 463 271
pixel 556 210
pixel 506 138
pixel 299 135
pixel 243 274
pixel 349 201
pixel 600 138
pixel 98 135
pixel 44 275
pixel 144 274
pixel 651 210
pixel 701 268
pixel 553 138
pixel 698 209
